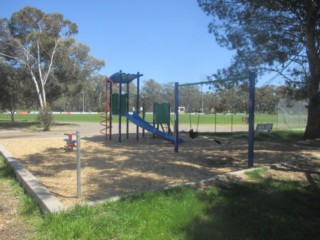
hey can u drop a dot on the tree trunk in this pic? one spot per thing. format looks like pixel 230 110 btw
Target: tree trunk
pixel 12 115
pixel 12 109
pixel 313 123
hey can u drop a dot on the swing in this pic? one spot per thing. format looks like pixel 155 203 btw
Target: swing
pixel 193 134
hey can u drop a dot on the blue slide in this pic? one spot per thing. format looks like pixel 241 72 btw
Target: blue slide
pixel 136 119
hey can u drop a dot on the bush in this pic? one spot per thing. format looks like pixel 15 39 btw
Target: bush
pixel 45 118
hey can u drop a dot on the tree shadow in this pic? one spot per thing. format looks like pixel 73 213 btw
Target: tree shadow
pixel 310 168
pixel 270 209
pixel 9 125
pixel 23 125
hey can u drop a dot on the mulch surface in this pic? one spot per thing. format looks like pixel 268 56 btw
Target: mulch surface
pixel 110 168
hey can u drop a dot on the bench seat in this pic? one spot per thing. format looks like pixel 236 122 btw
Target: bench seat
pixel 264 127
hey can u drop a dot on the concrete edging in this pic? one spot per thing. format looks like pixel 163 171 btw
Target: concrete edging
pixel 46 201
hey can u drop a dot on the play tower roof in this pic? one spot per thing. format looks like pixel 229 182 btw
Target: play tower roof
pixel 124 77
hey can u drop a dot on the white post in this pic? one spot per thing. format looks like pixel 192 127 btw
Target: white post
pixel 78 166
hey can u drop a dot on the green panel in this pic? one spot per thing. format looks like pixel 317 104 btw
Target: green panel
pixel 124 103
pixel 162 113
pixel 115 103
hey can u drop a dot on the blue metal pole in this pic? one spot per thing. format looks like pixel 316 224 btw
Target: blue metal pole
pixel 127 123
pixel 120 104
pixel 252 82
pixel 138 103
pixel 110 111
pixel 176 113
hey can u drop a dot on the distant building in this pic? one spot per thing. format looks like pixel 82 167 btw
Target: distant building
pixel 181 109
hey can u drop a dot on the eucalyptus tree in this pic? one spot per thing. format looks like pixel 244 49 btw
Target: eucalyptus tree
pixel 150 93
pixel 43 44
pixel 267 99
pixel 30 38
pixel 167 92
pixel 281 36
pixel 74 76
pixel 11 89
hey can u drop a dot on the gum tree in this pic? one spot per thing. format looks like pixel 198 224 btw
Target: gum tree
pixel 42 45
pixel 281 36
pixel 31 38
pixel 11 89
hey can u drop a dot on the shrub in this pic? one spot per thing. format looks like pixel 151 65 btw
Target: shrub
pixel 45 118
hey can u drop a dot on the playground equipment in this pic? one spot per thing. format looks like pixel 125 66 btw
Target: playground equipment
pixel 70 142
pixel 136 119
pixel 106 116
pixel 119 103
pixel 121 106
pixel 251 79
pixel 194 133
pixel 161 116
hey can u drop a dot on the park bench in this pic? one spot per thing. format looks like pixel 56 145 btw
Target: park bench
pixel 264 127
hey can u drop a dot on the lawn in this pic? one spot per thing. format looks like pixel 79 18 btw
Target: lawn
pixel 261 208
pixel 221 119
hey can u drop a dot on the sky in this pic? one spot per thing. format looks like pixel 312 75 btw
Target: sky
pixel 165 40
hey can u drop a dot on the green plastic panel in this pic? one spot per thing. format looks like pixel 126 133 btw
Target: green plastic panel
pixel 115 104
pixel 162 113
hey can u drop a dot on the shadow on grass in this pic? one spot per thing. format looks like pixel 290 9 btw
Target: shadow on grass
pixel 269 209
pixel 272 137
pixel 277 136
pixel 9 125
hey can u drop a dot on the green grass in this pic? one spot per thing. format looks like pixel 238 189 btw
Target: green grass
pixel 264 209
pixel 159 215
pixel 29 206
pixel 28 211
pixel 256 174
pixel 225 119
pixel 221 119
pixel 267 209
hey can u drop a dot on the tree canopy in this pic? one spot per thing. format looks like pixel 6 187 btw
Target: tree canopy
pixel 281 36
pixel 42 46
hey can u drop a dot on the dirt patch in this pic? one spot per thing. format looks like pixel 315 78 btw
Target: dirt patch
pixel 12 225
pixel 112 168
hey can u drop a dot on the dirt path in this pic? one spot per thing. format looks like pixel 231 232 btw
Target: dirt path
pixel 12 226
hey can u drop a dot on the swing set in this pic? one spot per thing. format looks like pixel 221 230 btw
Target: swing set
pixel 251 79
pixel 193 132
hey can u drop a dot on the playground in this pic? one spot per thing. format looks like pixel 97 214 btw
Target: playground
pixel 140 156
pixel 116 169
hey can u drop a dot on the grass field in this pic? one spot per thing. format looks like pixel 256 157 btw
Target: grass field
pixel 263 208
pixel 183 118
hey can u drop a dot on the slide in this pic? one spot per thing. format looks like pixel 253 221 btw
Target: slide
pixel 136 119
